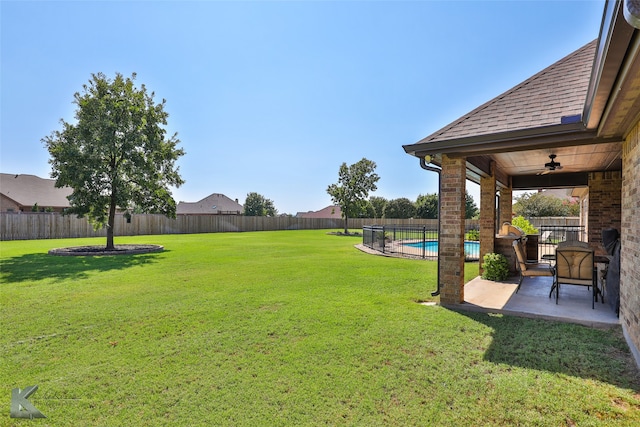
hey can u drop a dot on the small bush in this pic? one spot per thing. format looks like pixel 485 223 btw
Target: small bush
pixel 473 235
pixel 495 267
pixel 523 224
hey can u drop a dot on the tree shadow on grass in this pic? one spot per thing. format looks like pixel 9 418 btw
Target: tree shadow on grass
pixel 34 267
pixel 565 348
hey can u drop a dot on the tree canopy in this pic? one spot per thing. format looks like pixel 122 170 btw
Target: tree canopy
pixel 427 206
pixel 530 205
pixel 117 154
pixel 378 204
pixel 471 210
pixel 401 208
pixel 353 187
pixel 258 205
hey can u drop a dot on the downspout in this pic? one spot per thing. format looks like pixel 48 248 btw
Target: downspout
pixel 423 165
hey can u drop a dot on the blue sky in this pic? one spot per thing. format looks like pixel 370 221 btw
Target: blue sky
pixel 272 96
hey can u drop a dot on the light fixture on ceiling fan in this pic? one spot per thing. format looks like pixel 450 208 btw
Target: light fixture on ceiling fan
pixel 551 166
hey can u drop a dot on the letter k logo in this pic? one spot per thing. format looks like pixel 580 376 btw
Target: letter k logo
pixel 21 407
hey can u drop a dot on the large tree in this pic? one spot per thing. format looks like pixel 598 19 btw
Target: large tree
pixel 258 205
pixel 401 208
pixel 471 210
pixel 427 206
pixel 116 155
pixel 531 205
pixel 353 187
pixel 378 204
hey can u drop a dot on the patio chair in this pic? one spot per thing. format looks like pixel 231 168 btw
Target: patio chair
pixel 573 244
pixel 528 269
pixel 574 266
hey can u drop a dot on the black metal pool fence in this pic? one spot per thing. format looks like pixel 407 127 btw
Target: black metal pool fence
pixel 551 235
pixel 421 241
pixel 414 241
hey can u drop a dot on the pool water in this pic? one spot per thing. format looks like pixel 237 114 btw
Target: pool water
pixel 471 249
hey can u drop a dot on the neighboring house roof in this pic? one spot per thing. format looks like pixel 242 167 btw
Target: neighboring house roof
pixel 212 204
pixel 557 91
pixel 328 212
pixel 560 193
pixel 27 190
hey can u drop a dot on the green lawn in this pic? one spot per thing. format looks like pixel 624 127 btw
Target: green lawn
pixel 285 328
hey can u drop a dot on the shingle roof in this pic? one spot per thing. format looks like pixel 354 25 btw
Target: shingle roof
pixel 557 91
pixel 333 211
pixel 213 204
pixel 27 190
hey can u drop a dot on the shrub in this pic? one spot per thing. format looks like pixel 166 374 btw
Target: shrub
pixel 523 224
pixel 495 267
pixel 473 235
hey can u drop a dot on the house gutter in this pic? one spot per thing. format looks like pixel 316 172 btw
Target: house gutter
pixel 425 166
pixel 521 140
pixel 613 41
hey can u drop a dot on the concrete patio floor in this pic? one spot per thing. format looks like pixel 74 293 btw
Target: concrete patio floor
pixel 532 300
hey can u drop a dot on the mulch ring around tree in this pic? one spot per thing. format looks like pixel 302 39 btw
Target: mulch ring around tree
pixel 100 250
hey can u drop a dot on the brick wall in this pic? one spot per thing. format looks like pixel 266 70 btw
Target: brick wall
pixel 8 205
pixel 506 206
pixel 630 239
pixel 452 193
pixel 605 205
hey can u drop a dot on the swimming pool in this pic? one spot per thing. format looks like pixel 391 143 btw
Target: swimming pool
pixel 471 248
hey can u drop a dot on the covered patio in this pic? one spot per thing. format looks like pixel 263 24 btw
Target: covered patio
pixel 573 125
pixel 532 300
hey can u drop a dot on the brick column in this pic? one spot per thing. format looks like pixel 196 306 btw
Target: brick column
pixel 630 241
pixel 605 206
pixel 487 214
pixel 452 197
pixel 506 205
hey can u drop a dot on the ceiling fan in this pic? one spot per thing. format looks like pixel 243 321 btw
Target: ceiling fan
pixel 551 166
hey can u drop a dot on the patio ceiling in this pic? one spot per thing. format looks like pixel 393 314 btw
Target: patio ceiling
pixel 527 171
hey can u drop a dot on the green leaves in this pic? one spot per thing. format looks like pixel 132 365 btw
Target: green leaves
pixel 541 205
pixel 116 155
pixel 353 187
pixel 258 205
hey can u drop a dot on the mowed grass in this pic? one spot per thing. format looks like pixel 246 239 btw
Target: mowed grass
pixel 281 329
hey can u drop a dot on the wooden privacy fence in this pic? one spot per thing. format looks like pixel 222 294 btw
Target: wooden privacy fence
pixel 555 221
pixel 33 225
pixel 38 225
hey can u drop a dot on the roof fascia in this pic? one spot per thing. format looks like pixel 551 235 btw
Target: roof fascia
pixel 520 140
pixel 613 41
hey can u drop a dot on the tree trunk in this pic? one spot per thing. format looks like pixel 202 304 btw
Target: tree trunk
pixel 346 223
pixel 111 223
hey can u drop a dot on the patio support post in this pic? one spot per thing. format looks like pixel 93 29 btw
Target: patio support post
pixel 487 214
pixel 452 193
pixel 605 206
pixel 506 204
